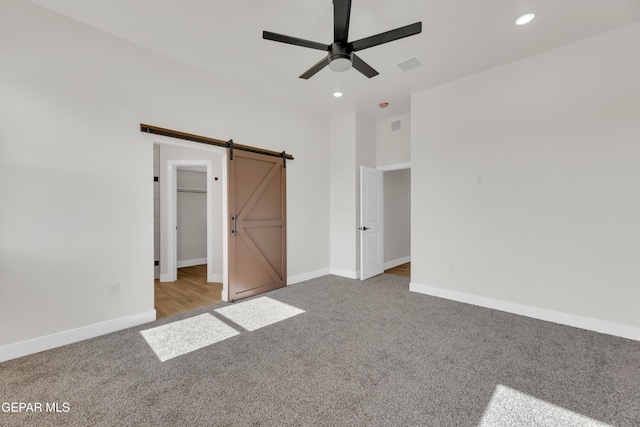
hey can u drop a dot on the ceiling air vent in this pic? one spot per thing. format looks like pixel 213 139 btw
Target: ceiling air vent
pixel 396 125
pixel 409 64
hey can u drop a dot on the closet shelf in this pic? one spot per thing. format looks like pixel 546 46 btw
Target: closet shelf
pixel 191 190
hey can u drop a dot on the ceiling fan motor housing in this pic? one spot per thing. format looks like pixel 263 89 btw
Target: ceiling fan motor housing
pixel 340 58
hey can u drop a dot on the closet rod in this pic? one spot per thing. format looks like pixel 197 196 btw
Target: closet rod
pixel 209 141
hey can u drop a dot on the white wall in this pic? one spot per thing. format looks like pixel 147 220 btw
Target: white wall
pixel 397 217
pixel 352 143
pixel 343 202
pixel 76 197
pixel 191 237
pixel 555 225
pixel 393 148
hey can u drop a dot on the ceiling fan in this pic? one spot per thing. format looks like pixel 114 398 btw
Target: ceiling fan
pixel 341 53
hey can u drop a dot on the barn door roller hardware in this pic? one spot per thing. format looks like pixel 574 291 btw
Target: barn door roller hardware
pixel 212 141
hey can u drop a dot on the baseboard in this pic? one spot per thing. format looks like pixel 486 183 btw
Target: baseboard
pixel 397 262
pixel 36 345
pixel 590 324
pixel 307 276
pixel 344 273
pixel 166 278
pixel 190 262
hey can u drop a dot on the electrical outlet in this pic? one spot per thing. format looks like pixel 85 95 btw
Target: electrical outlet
pixel 114 289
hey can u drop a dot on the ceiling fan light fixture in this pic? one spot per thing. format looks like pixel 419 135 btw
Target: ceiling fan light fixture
pixel 340 64
pixel 525 19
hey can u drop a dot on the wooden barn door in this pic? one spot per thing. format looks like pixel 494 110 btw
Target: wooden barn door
pixel 257 215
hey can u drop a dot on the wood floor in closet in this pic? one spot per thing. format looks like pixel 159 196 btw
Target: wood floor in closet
pixel 189 292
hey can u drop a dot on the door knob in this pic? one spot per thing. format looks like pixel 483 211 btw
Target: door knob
pixel 364 228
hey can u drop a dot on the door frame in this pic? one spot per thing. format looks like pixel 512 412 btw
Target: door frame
pixel 383 168
pixel 391 168
pixel 171 213
pixel 172 216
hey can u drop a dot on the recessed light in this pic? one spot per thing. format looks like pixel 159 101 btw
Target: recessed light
pixel 525 19
pixel 383 105
pixel 337 94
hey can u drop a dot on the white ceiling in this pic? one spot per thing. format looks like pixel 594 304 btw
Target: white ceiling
pixel 459 38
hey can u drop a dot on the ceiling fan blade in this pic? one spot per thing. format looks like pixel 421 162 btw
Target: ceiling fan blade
pixel 341 12
pixel 268 35
pixel 386 37
pixel 362 66
pixel 313 70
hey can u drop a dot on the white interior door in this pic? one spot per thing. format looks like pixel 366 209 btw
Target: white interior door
pixel 371 222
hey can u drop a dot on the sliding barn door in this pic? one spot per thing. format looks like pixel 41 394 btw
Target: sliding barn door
pixel 257 215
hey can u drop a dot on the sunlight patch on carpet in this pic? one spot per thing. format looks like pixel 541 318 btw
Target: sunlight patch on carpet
pixel 512 408
pixel 184 336
pixel 259 312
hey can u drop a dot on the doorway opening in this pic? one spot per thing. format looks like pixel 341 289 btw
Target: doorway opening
pixel 190 231
pixel 193 287
pixel 397 221
pixel 385 220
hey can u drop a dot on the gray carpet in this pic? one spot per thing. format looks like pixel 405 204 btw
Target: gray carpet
pixel 362 353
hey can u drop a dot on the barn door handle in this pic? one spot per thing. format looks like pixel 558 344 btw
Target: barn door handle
pixel 233 230
pixel 364 228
